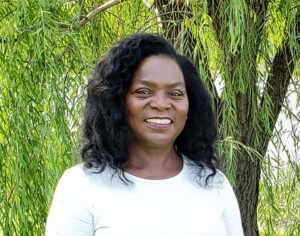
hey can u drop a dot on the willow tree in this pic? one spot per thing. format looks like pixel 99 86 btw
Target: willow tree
pixel 48 48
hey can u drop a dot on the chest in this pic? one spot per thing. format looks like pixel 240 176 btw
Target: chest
pixel 158 210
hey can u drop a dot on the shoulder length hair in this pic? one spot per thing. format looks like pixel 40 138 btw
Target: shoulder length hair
pixel 106 132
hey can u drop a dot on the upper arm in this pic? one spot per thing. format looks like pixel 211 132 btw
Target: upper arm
pixel 71 208
pixel 231 213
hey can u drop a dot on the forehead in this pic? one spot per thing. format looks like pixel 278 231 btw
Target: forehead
pixel 158 69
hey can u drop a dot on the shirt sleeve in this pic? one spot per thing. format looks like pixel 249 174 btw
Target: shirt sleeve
pixel 71 209
pixel 231 213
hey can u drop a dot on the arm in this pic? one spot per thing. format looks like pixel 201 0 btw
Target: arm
pixel 71 210
pixel 231 213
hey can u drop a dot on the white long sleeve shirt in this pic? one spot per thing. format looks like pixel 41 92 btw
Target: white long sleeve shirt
pixel 87 204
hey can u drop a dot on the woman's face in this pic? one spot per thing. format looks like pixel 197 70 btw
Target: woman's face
pixel 157 103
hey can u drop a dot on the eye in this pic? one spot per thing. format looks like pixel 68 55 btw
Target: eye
pixel 143 91
pixel 176 93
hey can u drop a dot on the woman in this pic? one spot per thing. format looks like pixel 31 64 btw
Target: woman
pixel 148 160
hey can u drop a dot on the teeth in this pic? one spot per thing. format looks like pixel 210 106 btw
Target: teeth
pixel 159 121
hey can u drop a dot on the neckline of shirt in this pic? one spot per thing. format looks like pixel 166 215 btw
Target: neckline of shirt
pixel 170 179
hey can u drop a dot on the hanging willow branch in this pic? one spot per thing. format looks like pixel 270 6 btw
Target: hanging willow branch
pixel 90 15
pixel 277 85
pixel 278 82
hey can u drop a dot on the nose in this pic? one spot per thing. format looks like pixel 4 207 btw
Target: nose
pixel 160 102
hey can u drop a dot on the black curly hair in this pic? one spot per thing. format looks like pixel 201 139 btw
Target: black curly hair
pixel 106 131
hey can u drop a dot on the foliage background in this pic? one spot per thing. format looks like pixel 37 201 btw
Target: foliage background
pixel 46 55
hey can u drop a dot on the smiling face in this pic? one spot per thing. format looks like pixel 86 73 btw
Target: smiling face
pixel 157 103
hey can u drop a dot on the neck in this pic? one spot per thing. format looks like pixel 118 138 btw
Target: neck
pixel 153 163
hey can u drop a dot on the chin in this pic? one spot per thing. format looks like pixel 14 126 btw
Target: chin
pixel 161 143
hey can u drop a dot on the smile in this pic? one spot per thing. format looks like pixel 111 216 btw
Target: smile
pixel 159 121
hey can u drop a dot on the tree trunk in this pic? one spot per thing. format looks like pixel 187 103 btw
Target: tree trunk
pixel 247 190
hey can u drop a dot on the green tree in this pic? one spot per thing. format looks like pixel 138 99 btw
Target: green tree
pixel 47 49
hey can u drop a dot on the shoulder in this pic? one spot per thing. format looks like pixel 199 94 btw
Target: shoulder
pixel 76 174
pixel 201 174
pixel 72 204
pixel 73 181
pixel 91 179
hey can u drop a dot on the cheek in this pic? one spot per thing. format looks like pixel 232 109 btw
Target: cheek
pixel 129 116
pixel 185 109
pixel 133 115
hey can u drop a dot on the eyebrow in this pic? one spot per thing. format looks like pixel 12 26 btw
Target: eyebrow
pixel 148 83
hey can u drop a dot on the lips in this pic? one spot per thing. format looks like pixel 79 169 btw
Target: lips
pixel 159 122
